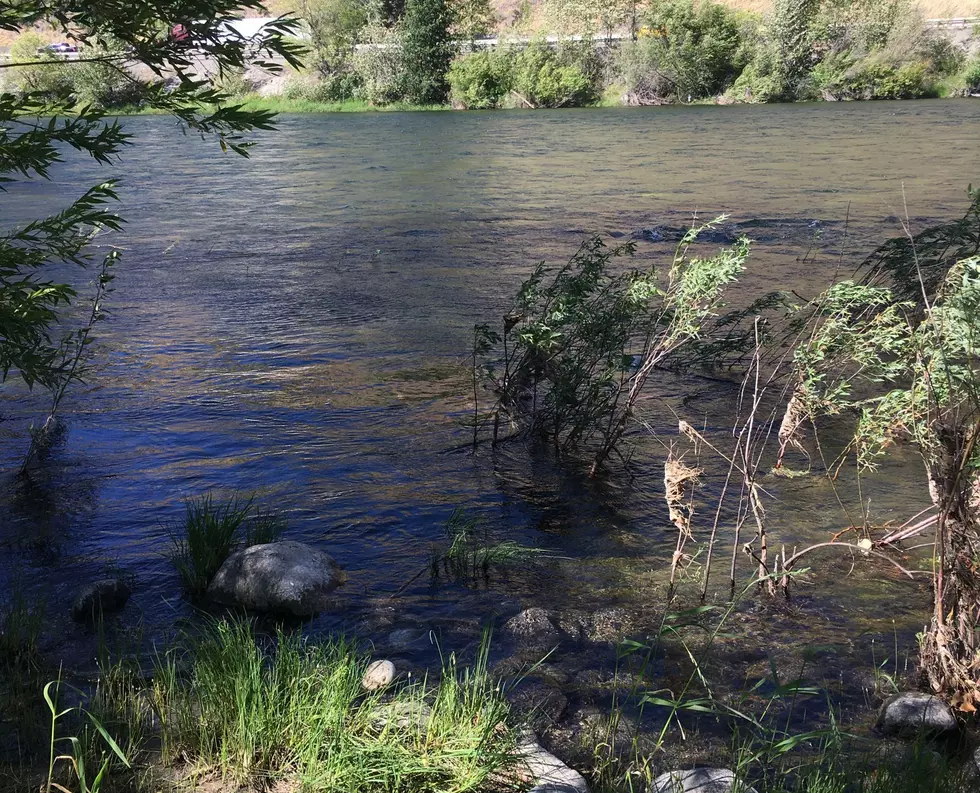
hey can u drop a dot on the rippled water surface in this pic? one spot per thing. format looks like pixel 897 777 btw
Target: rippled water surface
pixel 297 324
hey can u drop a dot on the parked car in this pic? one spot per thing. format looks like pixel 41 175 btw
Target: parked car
pixel 58 48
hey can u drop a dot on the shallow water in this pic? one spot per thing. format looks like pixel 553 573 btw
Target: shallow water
pixel 297 324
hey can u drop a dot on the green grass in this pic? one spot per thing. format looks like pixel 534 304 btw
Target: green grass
pixel 211 531
pixel 233 706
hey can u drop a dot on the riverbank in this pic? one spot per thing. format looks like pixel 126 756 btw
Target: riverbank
pixel 279 104
pixel 230 704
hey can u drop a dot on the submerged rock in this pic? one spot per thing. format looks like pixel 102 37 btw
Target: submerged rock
pixel 700 780
pixel 99 597
pixel 913 713
pixel 378 675
pixel 407 638
pixel 542 705
pixel 284 577
pixel 533 626
pixel 550 774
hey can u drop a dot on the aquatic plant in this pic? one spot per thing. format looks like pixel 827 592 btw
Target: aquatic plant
pixel 471 553
pixel 293 710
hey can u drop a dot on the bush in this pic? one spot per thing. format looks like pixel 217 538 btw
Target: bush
pixel 972 75
pixel 379 68
pixel 696 49
pixel 481 80
pixel 763 80
pixel 874 80
pixel 943 57
pixel 544 78
pixel 49 77
pixel 336 87
pixel 334 26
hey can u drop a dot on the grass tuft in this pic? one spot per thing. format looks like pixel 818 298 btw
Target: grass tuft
pixel 284 709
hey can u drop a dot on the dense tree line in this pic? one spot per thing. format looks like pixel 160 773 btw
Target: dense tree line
pixel 426 52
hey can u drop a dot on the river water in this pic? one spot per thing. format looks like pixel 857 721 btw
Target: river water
pixel 297 324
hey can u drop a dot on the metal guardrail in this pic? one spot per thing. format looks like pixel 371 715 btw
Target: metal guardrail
pixel 958 23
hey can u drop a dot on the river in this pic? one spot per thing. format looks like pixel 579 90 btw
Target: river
pixel 297 324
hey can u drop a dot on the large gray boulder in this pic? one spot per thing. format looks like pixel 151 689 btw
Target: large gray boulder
pixel 98 598
pixel 700 780
pixel 285 577
pixel 913 713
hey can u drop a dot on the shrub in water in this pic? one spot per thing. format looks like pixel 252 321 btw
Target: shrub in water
pixel 480 81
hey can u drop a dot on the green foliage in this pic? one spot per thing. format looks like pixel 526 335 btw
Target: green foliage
pixel 871 80
pixel 46 73
pixel 334 26
pixel 544 77
pixel 971 75
pixel 107 83
pixel 298 714
pixel 592 16
pixel 480 80
pixel 687 49
pixel 471 553
pixel 325 89
pixel 211 531
pixel 581 340
pixel 763 79
pixel 76 758
pixel 380 66
pixel 427 50
pixel 942 56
